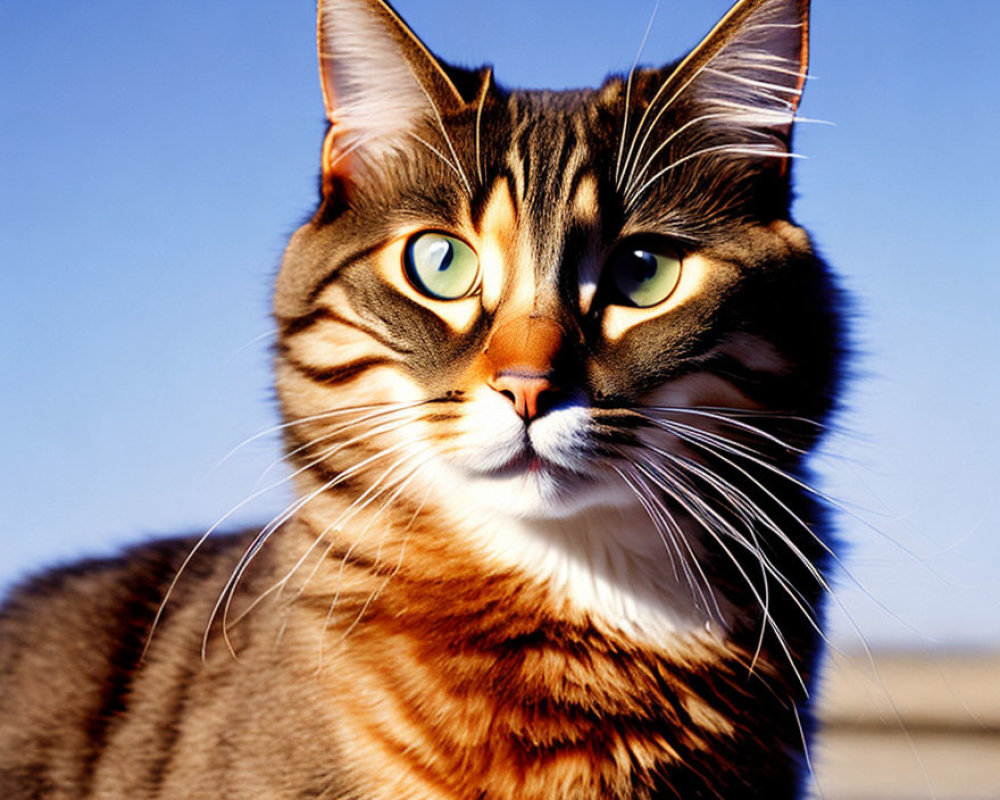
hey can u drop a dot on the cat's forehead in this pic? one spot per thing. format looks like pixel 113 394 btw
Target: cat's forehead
pixel 553 135
pixel 547 184
pixel 552 160
pixel 566 156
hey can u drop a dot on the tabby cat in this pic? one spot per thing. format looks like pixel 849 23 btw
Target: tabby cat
pixel 549 365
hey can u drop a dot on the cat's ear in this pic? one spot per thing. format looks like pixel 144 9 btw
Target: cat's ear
pixel 379 82
pixel 745 79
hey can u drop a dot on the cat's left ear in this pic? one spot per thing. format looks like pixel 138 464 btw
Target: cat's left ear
pixel 745 79
pixel 379 82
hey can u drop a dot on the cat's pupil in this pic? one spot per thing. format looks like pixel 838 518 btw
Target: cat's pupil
pixel 442 253
pixel 644 265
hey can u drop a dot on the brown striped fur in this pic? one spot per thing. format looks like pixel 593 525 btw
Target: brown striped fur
pixel 547 542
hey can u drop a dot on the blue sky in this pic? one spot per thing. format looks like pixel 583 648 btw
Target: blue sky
pixel 154 157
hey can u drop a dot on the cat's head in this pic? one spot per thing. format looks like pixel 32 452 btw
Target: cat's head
pixel 546 302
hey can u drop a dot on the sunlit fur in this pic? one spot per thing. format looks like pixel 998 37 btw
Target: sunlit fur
pixel 543 544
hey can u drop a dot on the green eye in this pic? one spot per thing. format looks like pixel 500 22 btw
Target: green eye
pixel 643 278
pixel 440 266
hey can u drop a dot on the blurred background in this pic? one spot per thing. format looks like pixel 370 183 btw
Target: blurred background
pixel 154 158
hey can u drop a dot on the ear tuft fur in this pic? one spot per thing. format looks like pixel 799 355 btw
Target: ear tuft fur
pixel 753 68
pixel 735 96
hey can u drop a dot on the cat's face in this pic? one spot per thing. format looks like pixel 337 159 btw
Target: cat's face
pixel 503 293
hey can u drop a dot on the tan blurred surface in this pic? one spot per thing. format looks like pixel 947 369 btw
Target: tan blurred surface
pixel 910 727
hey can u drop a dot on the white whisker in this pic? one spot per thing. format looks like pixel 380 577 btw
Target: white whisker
pixel 457 166
pixel 204 537
pixel 351 510
pixel 637 175
pixel 225 597
pixel 336 431
pixel 661 517
pixel 759 151
pixel 628 96
pixel 335 412
pixel 692 502
pixel 375 594
pixel 444 159
pixel 742 502
pixel 768 88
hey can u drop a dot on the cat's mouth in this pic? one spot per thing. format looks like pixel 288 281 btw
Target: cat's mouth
pixel 525 463
pixel 554 447
pixel 528 462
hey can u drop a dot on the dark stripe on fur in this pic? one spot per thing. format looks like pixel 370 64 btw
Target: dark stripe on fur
pixel 349 258
pixel 170 731
pixel 333 376
pixel 307 321
pixel 141 594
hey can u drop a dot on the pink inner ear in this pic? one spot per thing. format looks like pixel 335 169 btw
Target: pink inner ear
pixel 379 82
pixel 371 94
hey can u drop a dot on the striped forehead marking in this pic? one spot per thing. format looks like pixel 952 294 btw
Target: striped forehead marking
pixel 547 163
pixel 585 200
pixel 499 243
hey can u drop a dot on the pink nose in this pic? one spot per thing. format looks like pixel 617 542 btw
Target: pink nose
pixel 523 390
pixel 521 354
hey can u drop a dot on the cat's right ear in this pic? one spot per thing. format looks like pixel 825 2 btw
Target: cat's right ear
pixel 379 82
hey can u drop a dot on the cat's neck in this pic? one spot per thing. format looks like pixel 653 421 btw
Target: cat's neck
pixel 609 567
pixel 614 567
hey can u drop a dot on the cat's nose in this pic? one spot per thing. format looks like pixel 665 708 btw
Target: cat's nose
pixel 521 355
pixel 525 391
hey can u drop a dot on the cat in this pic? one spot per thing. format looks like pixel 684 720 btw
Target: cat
pixel 550 365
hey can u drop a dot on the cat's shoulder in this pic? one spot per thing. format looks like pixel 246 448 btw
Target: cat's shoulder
pixel 72 641
pixel 136 575
pixel 88 612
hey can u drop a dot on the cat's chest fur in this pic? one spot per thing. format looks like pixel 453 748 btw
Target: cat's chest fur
pixel 468 685
pixel 476 681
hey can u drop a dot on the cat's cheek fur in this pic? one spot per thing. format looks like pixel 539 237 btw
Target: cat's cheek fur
pixel 699 390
